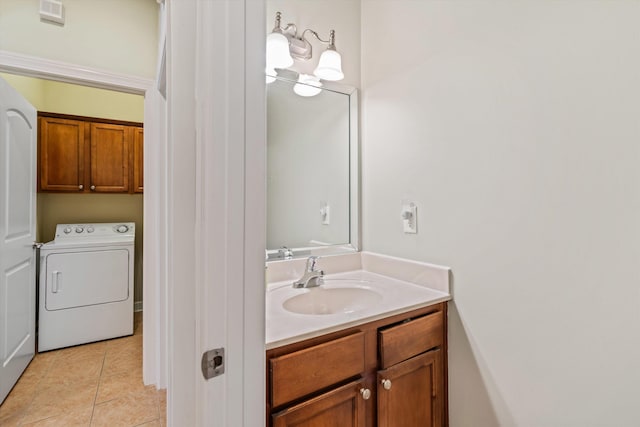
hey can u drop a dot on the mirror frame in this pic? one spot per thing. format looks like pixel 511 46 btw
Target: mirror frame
pixel 354 244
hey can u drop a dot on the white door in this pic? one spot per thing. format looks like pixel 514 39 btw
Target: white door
pixel 18 131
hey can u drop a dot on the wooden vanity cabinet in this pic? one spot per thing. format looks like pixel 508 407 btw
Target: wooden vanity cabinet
pixel 410 393
pixel 390 372
pixel 88 155
pixel 411 384
pixel 342 406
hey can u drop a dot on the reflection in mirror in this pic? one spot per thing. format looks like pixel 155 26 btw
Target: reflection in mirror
pixel 311 170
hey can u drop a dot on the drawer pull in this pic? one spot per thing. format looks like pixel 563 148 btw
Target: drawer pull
pixel 366 393
pixel 386 384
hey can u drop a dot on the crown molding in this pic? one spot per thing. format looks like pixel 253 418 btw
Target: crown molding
pixel 31 66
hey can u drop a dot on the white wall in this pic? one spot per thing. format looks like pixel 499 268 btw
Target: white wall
pixel 114 35
pixel 515 127
pixel 343 16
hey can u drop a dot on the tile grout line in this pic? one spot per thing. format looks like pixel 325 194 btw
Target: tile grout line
pixel 95 398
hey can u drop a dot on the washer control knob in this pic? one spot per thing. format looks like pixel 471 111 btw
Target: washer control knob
pixel 79 229
pixel 122 229
pixel 67 230
pixel 90 229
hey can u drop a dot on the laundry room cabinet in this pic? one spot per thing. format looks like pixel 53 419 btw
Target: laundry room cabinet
pixel 138 160
pixel 88 155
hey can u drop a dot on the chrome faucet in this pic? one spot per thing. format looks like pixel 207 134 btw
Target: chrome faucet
pixel 311 277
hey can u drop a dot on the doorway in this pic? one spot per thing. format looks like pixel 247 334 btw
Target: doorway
pixel 154 358
pixel 68 207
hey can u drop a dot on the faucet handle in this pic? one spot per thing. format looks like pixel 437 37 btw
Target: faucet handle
pixel 311 263
pixel 285 252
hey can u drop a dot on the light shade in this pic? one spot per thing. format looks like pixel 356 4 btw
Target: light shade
pixel 330 66
pixel 307 85
pixel 278 55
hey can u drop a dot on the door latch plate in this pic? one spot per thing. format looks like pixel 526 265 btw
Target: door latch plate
pixel 213 363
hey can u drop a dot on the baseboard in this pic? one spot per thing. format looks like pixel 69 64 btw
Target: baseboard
pixel 137 306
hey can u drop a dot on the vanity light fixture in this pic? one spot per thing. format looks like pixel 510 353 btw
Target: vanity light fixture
pixel 307 85
pixel 278 55
pixel 330 63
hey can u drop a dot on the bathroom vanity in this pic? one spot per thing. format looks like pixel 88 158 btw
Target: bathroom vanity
pixel 381 362
pixel 360 339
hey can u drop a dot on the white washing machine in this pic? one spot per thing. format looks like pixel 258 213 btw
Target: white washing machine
pixel 86 284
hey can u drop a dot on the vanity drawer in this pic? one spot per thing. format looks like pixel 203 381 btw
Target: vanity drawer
pixel 408 339
pixel 300 373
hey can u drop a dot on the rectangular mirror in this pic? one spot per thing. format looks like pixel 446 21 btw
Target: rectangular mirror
pixel 312 169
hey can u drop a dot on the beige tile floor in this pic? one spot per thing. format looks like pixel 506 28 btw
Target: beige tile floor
pixel 97 384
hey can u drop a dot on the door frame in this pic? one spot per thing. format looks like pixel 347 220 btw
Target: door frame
pixel 182 310
pixel 154 362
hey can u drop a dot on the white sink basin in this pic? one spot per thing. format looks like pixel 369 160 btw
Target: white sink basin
pixel 341 299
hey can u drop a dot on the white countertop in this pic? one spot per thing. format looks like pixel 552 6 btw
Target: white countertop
pixel 398 296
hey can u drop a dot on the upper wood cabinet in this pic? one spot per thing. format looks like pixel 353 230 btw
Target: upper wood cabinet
pixel 110 158
pixel 138 160
pixel 62 146
pixel 84 154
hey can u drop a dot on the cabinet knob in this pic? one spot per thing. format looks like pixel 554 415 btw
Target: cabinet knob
pixel 386 384
pixel 366 393
pixel 80 187
pixel 93 187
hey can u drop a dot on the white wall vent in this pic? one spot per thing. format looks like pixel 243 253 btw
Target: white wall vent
pixel 52 11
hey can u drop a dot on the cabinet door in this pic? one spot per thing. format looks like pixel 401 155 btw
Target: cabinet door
pixel 138 160
pixel 343 406
pixel 61 154
pixel 110 146
pixel 410 393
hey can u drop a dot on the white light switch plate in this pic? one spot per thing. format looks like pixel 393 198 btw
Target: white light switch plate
pixel 325 214
pixel 410 218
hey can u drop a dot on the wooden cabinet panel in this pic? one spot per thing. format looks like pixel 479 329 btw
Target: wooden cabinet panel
pixel 110 157
pixel 302 372
pixel 411 338
pixel 85 154
pixel 138 160
pixel 413 393
pixel 343 407
pixel 62 146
